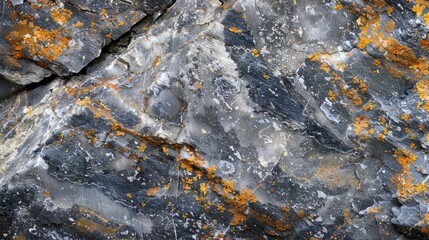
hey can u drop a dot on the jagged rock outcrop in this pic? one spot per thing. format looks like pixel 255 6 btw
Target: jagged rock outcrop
pixel 217 119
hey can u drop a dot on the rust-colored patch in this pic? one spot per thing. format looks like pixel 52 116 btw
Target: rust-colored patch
pixel 88 226
pixel 153 191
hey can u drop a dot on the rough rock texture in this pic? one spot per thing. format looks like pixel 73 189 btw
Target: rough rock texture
pixel 43 37
pixel 276 119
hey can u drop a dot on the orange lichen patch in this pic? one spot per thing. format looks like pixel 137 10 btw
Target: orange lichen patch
pixel 186 183
pixel 390 25
pixel 347 217
pixel 121 23
pixel 351 94
pixel 380 137
pixel 369 106
pixel 377 62
pixel 426 18
pixel 389 9
pixel 338 7
pixel 210 172
pixel 235 30
pixel 165 150
pixel 120 133
pixel 255 52
pixel 422 88
pixel 424 223
pixel 203 188
pixel 426 106
pixel 421 66
pixel 404 157
pixel 394 72
pixel 47 193
pixel 78 24
pixel 286 209
pixel 220 208
pixel 325 67
pixel 300 213
pixel 363 42
pixel 379 3
pixel 395 52
pixel 332 96
pixel 195 160
pixel 362 86
pixel 362 125
pixel 405 117
pixel 407 130
pixel 84 101
pixel 156 61
pixel 88 226
pixel 103 12
pixel 142 147
pixel 418 9
pixel 315 57
pixel 198 85
pixel 152 191
pixel 399 53
pixel 61 15
pixel 38 42
pixel 238 205
pixel 115 126
pixel 424 44
pixel 423 2
pixel 266 76
pixel 405 188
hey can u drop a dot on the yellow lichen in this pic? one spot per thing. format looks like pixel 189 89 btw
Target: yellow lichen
pixel 351 94
pixel 361 125
pixel 36 41
pixel 422 88
pixel 338 7
pixel 84 101
pixel 61 15
pixel 369 106
pixel 255 52
pixel 332 96
pixel 404 157
pixel 142 147
pixel 418 9
pixel 325 67
pixel 405 117
pixel 235 30
pixel 78 24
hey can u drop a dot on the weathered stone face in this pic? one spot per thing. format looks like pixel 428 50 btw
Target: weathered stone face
pixel 61 37
pixel 275 119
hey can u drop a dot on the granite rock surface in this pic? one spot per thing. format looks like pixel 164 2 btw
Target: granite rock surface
pixel 192 119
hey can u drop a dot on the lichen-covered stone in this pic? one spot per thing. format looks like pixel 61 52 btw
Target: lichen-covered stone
pixel 40 38
pixel 224 119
